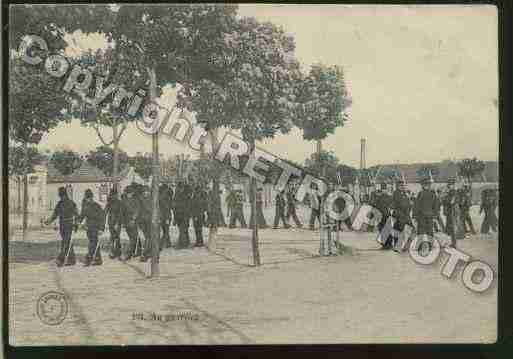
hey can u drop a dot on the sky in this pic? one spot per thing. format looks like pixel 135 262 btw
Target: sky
pixel 423 79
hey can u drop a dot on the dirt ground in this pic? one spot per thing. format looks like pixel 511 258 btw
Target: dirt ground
pixel 363 296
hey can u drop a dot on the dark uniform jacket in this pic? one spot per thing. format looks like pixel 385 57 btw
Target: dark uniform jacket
pixel 426 204
pixel 165 205
pixel 382 202
pixel 94 216
pixel 449 201
pixel 199 203
pixel 114 212
pixel 182 204
pixel 464 200
pixel 402 206
pixel 66 211
pixel 130 209
pixel 145 209
pixel 280 201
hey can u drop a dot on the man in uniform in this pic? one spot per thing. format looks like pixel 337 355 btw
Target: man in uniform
pixel 291 207
pixel 114 218
pixel 315 205
pixel 67 212
pixel 198 209
pixel 131 208
pixel 280 204
pixel 94 215
pixel 424 211
pixel 236 206
pixel 465 204
pixel 383 203
pixel 451 210
pixel 401 206
pixel 259 211
pixel 182 208
pixel 488 206
pixel 439 223
pixel 165 198
pixel 144 221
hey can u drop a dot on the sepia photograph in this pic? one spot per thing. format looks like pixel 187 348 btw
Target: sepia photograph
pixel 227 174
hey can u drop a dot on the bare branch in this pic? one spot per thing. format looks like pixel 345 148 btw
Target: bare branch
pixel 101 137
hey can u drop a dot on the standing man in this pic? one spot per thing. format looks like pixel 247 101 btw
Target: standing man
pixel 383 203
pixel 236 205
pixel 94 215
pixel 280 204
pixel 67 212
pixel 259 211
pixel 488 205
pixel 401 206
pixel 198 210
pixel 182 206
pixel 315 205
pixel 131 208
pixel 144 221
pixel 114 218
pixel 466 203
pixel 291 207
pixel 439 223
pixel 451 211
pixel 165 199
pixel 424 211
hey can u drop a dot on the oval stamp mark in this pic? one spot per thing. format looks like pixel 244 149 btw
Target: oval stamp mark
pixel 52 307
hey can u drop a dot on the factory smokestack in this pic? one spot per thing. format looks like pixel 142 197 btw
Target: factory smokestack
pixel 362 154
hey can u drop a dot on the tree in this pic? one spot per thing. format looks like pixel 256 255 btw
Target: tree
pixel 470 167
pixel 103 158
pixel 142 165
pixel 323 99
pixel 66 161
pixel 166 44
pixel 324 164
pixel 253 92
pixel 36 106
pixel 21 162
pixel 428 171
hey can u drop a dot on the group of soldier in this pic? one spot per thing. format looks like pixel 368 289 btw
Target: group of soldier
pixel 192 202
pixel 132 211
pixel 423 211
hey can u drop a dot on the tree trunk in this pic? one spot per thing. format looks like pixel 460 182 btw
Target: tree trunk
pixel 213 228
pixel 318 148
pixel 254 236
pixel 155 215
pixel 19 188
pixel 115 150
pixel 25 193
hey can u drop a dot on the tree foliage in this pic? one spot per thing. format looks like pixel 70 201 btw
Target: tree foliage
pixel 66 161
pixel 428 171
pixel 470 167
pixel 19 163
pixel 103 158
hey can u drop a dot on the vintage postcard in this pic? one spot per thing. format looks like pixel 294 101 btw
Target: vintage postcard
pixel 190 174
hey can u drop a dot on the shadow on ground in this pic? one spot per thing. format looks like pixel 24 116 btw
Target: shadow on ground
pixel 30 252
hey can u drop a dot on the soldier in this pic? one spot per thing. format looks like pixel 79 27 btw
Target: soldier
pixel 401 206
pixel 280 204
pixel 424 211
pixel 465 204
pixel 131 208
pixel 113 211
pixel 165 199
pixel 488 206
pixel 259 211
pixel 67 212
pixel 236 206
pixel 94 215
pixel 383 202
pixel 198 209
pixel 451 212
pixel 315 205
pixel 144 221
pixel 439 223
pixel 182 209
pixel 291 208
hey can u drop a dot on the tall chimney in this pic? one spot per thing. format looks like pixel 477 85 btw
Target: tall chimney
pixel 362 154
